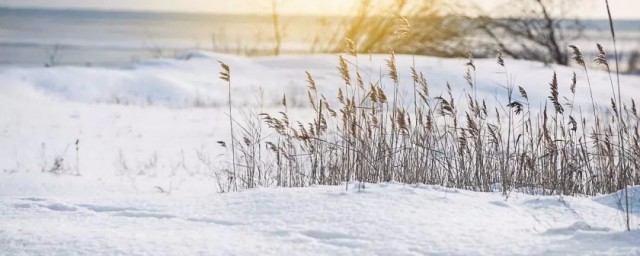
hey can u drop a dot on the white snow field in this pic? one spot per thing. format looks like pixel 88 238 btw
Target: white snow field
pixel 141 180
pixel 78 216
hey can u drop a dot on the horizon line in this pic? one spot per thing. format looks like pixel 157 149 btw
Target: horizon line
pixel 202 13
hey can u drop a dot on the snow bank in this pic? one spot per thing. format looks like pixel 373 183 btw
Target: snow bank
pixel 618 200
pixel 192 80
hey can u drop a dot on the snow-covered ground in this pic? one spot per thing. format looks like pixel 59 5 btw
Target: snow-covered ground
pixel 141 180
pixel 82 218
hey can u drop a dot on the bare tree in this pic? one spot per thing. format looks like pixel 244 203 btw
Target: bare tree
pixel 534 29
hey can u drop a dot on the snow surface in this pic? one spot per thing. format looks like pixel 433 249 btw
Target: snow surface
pixel 384 219
pixel 141 182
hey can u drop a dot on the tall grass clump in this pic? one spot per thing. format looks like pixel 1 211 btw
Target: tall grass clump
pixel 370 134
pixel 371 131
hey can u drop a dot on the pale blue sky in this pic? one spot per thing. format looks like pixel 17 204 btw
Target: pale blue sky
pixel 622 9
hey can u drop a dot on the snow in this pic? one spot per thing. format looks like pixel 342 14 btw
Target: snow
pixel 192 79
pixel 384 219
pixel 142 183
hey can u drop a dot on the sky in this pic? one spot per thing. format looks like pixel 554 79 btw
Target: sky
pixel 621 9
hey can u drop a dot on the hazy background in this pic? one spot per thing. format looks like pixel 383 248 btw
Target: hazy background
pixel 119 32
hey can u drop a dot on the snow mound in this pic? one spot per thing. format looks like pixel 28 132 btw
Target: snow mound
pixel 618 201
pixel 192 79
